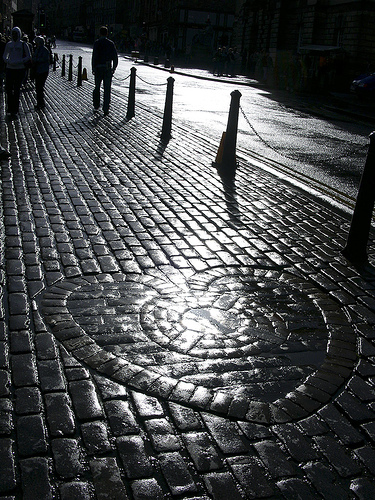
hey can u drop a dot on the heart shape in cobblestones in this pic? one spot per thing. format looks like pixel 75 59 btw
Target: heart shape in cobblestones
pixel 237 341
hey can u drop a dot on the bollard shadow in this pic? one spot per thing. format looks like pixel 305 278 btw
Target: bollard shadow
pixel 11 118
pixel 366 270
pixel 230 193
pixel 161 147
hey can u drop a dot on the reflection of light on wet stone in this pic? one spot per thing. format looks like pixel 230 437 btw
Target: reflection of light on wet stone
pixel 109 312
pixel 206 329
pixel 248 336
pixel 242 342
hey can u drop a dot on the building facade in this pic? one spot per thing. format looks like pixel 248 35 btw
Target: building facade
pixel 7 9
pixel 300 44
pixel 294 44
pixel 194 28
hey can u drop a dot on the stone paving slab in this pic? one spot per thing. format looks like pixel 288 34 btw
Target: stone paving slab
pixel 164 334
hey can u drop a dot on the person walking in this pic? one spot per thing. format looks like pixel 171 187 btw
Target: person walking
pixel 3 43
pixel 16 56
pixel 41 61
pixel 27 77
pixel 104 63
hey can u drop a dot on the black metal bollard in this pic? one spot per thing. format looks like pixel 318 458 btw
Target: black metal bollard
pixel 70 70
pixel 226 161
pixel 131 99
pixel 167 119
pixel 79 77
pixel 55 56
pixel 63 66
pixel 356 245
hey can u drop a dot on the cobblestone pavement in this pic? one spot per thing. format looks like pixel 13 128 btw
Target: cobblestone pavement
pixel 167 335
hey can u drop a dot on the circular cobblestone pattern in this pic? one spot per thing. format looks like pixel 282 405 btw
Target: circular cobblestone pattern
pixel 245 335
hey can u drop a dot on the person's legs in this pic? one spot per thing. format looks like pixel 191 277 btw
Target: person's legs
pixel 9 84
pixel 96 93
pixel 18 75
pixel 40 80
pixel 107 90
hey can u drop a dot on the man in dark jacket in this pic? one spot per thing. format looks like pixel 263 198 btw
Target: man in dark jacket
pixel 104 63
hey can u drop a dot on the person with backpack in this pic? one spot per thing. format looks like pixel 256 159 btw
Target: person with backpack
pixel 16 57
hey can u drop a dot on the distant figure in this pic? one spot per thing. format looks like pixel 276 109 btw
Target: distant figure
pixel 16 55
pixel 104 63
pixel 41 61
pixel 3 43
pixel 27 76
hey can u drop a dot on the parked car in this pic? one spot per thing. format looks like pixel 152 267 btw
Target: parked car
pixel 364 86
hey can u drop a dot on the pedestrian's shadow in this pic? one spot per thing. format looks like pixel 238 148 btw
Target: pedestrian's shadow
pixel 230 193
pixel 89 120
pixel 94 119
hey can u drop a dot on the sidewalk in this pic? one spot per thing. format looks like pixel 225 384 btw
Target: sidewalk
pixel 164 334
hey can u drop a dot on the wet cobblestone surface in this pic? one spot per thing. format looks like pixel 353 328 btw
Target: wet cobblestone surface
pixel 164 334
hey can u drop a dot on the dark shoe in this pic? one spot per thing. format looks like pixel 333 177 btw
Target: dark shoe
pixel 106 113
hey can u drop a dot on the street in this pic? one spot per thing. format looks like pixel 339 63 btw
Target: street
pixel 165 333
pixel 320 153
